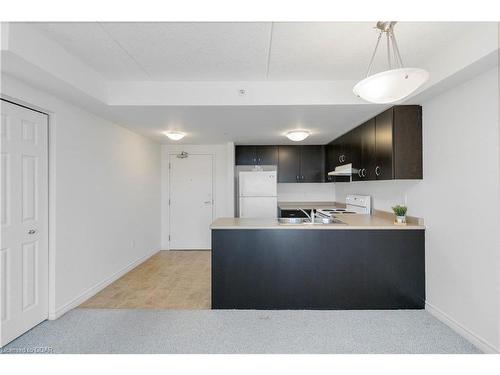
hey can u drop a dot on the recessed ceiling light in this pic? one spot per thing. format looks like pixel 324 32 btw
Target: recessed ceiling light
pixel 175 136
pixel 298 135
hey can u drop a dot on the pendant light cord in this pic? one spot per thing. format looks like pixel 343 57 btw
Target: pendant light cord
pixel 395 48
pixel 374 53
pixel 391 41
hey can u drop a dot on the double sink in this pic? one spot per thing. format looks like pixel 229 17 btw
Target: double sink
pixel 317 220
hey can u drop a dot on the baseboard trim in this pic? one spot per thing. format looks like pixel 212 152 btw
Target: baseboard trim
pixel 98 287
pixel 477 341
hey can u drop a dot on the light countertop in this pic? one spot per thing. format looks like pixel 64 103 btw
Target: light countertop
pixel 352 221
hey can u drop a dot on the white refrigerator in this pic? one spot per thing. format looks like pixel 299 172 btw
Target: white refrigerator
pixel 258 197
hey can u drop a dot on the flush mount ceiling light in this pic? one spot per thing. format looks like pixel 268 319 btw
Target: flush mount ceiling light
pixel 393 84
pixel 175 136
pixel 297 135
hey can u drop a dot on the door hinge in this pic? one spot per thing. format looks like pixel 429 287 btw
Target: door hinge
pixel 169 201
pixel 169 238
pixel 169 166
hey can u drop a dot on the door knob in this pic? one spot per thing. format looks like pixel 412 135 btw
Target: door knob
pixel 32 231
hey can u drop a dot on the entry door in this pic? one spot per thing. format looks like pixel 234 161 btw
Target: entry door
pixel 191 201
pixel 24 243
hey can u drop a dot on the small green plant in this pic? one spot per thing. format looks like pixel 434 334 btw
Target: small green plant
pixel 400 210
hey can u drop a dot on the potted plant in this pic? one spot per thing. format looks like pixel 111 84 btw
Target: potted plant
pixel 400 212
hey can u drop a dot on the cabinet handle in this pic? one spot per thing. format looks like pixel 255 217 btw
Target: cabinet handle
pixel 302 178
pixel 364 172
pixel 297 178
pixel 377 171
pixel 340 158
pixel 360 172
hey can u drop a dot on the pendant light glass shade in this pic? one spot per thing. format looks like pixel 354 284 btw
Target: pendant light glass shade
pixel 391 85
pixel 394 84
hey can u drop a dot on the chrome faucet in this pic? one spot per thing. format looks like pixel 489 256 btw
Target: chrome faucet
pixel 310 217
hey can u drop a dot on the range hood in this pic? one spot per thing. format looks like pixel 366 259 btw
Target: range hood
pixel 342 170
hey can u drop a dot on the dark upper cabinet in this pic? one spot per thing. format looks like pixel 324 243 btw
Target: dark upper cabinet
pixel 312 163
pixel 330 160
pixel 407 142
pixel 256 155
pixel 301 163
pixel 398 143
pixel 367 171
pixel 245 155
pixel 288 164
pixel 384 145
pixel 339 146
pixel 388 146
pixel 353 152
pixel 267 155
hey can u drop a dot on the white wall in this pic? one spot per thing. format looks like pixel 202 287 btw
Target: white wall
pixel 223 181
pixel 459 200
pixel 104 195
pixel 306 192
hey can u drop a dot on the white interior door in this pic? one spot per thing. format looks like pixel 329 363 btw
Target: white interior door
pixel 191 201
pixel 24 242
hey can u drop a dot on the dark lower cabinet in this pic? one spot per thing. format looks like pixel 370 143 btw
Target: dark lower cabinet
pixel 318 269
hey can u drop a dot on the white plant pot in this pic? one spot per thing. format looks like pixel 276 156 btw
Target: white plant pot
pixel 400 219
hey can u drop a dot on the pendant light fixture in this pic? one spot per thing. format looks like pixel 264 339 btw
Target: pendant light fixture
pixel 393 84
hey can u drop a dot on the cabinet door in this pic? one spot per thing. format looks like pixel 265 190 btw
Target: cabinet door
pixel 288 164
pixel 267 155
pixel 368 150
pixel 330 164
pixel 408 142
pixel 354 152
pixel 312 167
pixel 245 155
pixel 383 145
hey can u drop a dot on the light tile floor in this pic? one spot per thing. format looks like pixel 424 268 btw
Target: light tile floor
pixel 168 280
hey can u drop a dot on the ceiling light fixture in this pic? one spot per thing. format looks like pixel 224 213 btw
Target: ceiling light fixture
pixel 297 135
pixel 390 85
pixel 174 135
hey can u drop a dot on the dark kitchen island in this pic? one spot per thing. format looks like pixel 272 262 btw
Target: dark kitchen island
pixel 369 263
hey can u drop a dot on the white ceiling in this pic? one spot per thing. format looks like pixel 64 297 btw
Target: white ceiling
pixel 198 51
pixel 335 52
pixel 244 124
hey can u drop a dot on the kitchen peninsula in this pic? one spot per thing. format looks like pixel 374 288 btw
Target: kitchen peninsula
pixel 365 262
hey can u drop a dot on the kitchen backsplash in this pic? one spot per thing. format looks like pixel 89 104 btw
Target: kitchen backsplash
pixel 306 192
